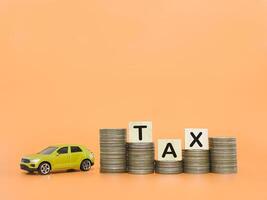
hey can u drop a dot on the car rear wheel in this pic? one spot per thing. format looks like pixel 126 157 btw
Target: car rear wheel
pixel 44 168
pixel 85 165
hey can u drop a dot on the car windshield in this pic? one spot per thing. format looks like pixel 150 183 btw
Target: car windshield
pixel 48 150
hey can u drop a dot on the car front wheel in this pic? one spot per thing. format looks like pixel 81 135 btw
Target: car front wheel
pixel 85 165
pixel 44 168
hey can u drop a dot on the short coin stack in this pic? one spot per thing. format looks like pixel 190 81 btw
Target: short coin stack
pixel 140 158
pixel 112 150
pixel 223 155
pixel 196 161
pixel 168 167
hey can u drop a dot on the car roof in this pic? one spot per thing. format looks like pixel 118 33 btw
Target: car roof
pixel 63 145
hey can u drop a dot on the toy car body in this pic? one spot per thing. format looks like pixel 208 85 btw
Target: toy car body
pixel 59 157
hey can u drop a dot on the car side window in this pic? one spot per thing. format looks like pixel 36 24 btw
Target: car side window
pixel 75 149
pixel 63 150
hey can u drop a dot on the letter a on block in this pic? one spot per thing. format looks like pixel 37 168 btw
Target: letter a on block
pixel 196 138
pixel 140 131
pixel 169 150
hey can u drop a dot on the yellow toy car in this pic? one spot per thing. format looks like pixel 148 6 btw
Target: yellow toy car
pixel 59 157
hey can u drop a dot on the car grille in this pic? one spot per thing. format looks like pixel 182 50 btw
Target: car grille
pixel 24 160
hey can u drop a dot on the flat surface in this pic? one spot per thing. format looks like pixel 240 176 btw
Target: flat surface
pixel 68 68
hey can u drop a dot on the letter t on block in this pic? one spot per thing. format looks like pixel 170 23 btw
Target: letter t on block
pixel 140 132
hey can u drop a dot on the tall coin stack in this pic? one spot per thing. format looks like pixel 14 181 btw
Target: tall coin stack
pixel 112 150
pixel 196 161
pixel 140 158
pixel 223 155
pixel 168 167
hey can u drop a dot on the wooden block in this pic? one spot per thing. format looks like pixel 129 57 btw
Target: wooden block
pixel 140 131
pixel 196 138
pixel 169 150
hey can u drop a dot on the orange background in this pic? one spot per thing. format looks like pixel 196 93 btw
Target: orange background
pixel 68 68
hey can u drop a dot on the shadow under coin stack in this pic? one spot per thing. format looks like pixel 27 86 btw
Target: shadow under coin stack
pixel 223 155
pixel 112 150
pixel 196 161
pixel 168 167
pixel 140 158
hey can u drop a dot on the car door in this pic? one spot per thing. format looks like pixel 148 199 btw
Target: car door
pixel 62 158
pixel 76 156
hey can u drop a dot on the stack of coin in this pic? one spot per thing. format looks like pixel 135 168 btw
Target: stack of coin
pixel 112 150
pixel 223 155
pixel 140 158
pixel 196 161
pixel 127 157
pixel 168 167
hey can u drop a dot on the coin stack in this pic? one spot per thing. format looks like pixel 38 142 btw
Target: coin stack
pixel 223 155
pixel 127 157
pixel 196 161
pixel 168 167
pixel 112 150
pixel 140 158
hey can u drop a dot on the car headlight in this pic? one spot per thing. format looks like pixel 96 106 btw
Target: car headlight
pixel 92 155
pixel 35 160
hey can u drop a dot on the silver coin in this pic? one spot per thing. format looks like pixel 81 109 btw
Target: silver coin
pixel 223 138
pixel 140 172
pixel 160 171
pixel 113 170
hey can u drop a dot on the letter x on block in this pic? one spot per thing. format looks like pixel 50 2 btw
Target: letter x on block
pixel 196 138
